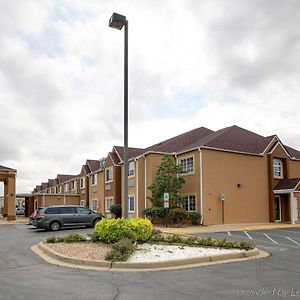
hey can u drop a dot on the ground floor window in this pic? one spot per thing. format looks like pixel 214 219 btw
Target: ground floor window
pixel 131 203
pixel 94 205
pixel 108 204
pixel 189 202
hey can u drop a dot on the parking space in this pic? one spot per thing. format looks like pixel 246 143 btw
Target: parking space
pixel 275 238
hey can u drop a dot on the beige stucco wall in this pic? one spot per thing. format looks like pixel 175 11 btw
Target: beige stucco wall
pixel 96 192
pixel 294 168
pixel 222 172
pixel 192 180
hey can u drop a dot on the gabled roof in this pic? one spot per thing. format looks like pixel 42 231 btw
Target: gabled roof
pixel 132 152
pixel 44 185
pixel 94 165
pixel 61 178
pixel 234 139
pixel 287 184
pixel 293 152
pixel 51 182
pixel 114 157
pixel 6 169
pixel 181 142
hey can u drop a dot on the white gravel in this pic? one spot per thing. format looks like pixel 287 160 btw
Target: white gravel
pixel 154 253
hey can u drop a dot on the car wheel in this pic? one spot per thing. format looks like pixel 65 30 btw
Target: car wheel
pixel 96 221
pixel 54 226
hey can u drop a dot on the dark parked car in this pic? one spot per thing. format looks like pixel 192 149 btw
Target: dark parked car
pixel 55 217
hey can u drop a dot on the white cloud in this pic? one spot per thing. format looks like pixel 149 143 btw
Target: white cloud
pixel 191 63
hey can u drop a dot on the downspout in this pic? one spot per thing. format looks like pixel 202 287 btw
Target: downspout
pixel 44 200
pixel 201 187
pixel 145 176
pixel 137 187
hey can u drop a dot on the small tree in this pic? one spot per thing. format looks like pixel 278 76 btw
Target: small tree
pixel 167 180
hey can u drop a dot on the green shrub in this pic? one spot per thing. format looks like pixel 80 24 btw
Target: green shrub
pixel 177 215
pixel 113 230
pixel 194 217
pixel 116 209
pixel 74 237
pixel 55 239
pixel 120 251
pixel 71 238
pixel 159 212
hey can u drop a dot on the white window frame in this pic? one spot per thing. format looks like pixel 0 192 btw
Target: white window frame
pixel 94 176
pixel 111 200
pixel 189 202
pixel 82 203
pixel 93 206
pixel 59 189
pixel 277 168
pixel 82 183
pixel 130 210
pixel 111 172
pixel 131 169
pixel 183 162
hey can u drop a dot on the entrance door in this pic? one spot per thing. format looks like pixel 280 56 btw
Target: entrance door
pixel 277 206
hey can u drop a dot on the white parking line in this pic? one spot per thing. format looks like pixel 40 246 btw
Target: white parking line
pixel 290 239
pixel 270 238
pixel 248 235
pixel 291 231
pixel 229 233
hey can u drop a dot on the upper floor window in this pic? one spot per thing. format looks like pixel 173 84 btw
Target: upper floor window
pixel 108 174
pixel 74 185
pixel 66 187
pixel 59 188
pixel 277 168
pixel 94 179
pixel 82 182
pixel 131 169
pixel 187 164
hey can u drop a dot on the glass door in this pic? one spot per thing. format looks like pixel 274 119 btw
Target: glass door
pixel 277 206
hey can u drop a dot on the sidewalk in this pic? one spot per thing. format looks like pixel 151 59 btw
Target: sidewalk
pixel 226 227
pixel 19 220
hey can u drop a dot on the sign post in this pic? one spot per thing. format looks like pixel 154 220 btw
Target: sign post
pixel 222 198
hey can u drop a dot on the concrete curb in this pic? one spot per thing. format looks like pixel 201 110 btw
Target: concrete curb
pixel 54 257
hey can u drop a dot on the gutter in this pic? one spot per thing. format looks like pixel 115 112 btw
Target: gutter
pixel 201 186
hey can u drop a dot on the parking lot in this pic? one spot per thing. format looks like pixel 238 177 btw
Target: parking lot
pixel 24 275
pixel 280 239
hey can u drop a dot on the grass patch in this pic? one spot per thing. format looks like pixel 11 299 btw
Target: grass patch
pixel 71 238
pixel 121 251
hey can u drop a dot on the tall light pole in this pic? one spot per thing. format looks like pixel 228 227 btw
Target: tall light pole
pixel 117 21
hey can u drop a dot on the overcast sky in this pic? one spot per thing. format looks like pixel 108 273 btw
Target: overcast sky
pixel 191 63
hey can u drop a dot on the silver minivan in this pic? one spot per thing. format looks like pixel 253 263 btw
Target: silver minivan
pixel 58 216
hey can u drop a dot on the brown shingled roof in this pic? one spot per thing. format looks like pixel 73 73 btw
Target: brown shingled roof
pixel 51 182
pixel 94 165
pixel 114 158
pixel 287 184
pixel 293 152
pixel 6 169
pixel 61 178
pixel 181 142
pixel 234 138
pixel 132 152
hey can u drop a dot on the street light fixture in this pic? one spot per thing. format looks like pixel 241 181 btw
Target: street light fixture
pixel 117 21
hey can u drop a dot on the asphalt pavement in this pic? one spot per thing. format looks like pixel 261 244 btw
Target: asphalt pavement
pixel 24 275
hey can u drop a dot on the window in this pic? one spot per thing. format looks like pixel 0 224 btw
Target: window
pixel 94 205
pixel 277 168
pixel 130 203
pixel 94 179
pixel 187 164
pixel 74 185
pixel 189 203
pixel 108 174
pixel 131 169
pixel 66 187
pixel 82 182
pixel 59 189
pixel 83 211
pixel 67 210
pixel 82 203
pixel 108 204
